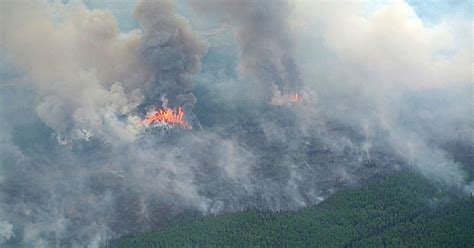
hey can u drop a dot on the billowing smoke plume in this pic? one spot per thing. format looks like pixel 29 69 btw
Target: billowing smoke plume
pixel 77 168
pixel 88 75
pixel 397 80
pixel 81 90
pixel 267 52
pixel 171 50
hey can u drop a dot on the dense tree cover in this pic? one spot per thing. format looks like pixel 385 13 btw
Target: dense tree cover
pixel 401 210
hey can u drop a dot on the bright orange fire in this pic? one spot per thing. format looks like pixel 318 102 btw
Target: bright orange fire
pixel 295 98
pixel 169 116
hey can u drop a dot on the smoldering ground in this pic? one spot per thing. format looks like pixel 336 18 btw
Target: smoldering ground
pixel 78 169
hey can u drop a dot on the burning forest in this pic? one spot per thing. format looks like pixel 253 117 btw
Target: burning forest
pixel 282 108
pixel 167 116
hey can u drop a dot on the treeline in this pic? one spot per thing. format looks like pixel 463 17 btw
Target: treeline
pixel 399 211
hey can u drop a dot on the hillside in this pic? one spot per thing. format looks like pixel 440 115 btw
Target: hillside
pixel 401 210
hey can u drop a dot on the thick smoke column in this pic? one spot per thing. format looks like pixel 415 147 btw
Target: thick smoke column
pixel 96 76
pixel 171 50
pixel 265 39
pixel 73 111
pixel 76 168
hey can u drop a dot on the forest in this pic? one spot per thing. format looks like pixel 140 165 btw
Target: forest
pixel 236 123
pixel 401 210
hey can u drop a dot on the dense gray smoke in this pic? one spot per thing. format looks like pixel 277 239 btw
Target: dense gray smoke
pixel 77 97
pixel 267 52
pixel 87 73
pixel 171 50
pixel 77 168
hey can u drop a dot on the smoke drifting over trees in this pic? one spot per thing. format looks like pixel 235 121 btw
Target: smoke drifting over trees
pixel 77 167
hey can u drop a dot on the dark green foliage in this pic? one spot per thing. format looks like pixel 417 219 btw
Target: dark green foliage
pixel 402 210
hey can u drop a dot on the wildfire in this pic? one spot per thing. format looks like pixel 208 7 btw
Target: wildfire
pixel 295 98
pixel 280 99
pixel 169 116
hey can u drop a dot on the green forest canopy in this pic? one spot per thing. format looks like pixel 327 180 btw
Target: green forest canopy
pixel 404 209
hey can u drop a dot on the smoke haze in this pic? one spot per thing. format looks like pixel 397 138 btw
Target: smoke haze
pixel 264 34
pixel 381 91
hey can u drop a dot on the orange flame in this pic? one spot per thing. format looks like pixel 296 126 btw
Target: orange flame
pixel 295 98
pixel 169 116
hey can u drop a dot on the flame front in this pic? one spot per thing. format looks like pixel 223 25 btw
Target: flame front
pixel 169 116
pixel 295 98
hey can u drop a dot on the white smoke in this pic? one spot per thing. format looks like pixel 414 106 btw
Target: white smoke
pixel 88 74
pixel 6 231
pixel 390 73
pixel 264 32
pixel 382 91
